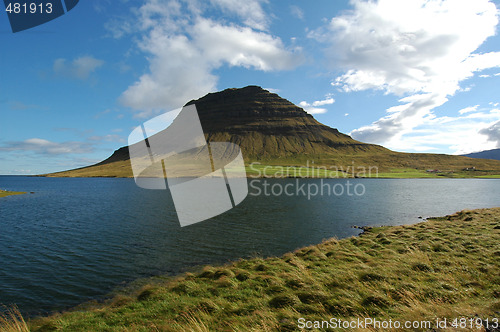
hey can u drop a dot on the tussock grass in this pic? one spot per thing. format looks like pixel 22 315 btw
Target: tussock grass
pixel 443 268
pixel 13 321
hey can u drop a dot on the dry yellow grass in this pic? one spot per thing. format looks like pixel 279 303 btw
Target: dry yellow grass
pixel 13 321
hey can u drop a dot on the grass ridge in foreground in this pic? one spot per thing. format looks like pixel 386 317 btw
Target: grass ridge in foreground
pixel 443 268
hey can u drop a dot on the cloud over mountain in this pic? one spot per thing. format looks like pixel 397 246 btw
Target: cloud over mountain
pixel 184 46
pixel 419 50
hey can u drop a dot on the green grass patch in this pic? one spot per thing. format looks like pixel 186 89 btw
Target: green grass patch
pixel 408 173
pixel 4 193
pixel 493 176
pixel 445 267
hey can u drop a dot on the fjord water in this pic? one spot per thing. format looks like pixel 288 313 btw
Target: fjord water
pixel 76 239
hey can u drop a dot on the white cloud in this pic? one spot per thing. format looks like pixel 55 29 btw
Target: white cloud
pixel 250 11
pixel 42 146
pixel 416 48
pixel 492 133
pixel 313 108
pixel 468 132
pixel 184 50
pixel 297 12
pixel 118 28
pixel 272 90
pixel 327 101
pixel 402 119
pixel 468 109
pixel 411 46
pixel 240 46
pixel 177 73
pixel 79 68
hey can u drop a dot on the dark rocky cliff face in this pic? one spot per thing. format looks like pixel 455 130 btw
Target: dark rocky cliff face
pixel 266 126
pixel 249 109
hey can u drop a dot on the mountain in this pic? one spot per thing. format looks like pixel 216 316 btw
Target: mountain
pixel 267 126
pixel 273 131
pixel 487 154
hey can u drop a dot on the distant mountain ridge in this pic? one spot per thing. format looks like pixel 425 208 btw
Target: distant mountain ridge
pixel 271 130
pixel 487 154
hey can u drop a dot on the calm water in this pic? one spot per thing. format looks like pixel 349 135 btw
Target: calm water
pixel 77 239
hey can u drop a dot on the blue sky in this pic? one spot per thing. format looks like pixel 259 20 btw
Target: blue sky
pixel 415 75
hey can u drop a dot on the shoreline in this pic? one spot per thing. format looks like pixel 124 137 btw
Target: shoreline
pixel 492 177
pixel 294 283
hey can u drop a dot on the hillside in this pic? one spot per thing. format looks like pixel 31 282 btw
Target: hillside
pixel 273 131
pixel 487 154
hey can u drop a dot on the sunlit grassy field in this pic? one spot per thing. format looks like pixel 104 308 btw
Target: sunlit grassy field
pixel 442 268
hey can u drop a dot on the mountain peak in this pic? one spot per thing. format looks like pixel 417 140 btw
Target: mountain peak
pixel 234 93
pixel 251 96
pixel 266 125
pixel 249 104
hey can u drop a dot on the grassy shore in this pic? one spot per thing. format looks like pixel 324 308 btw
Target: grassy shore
pixel 4 193
pixel 292 170
pixel 445 267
